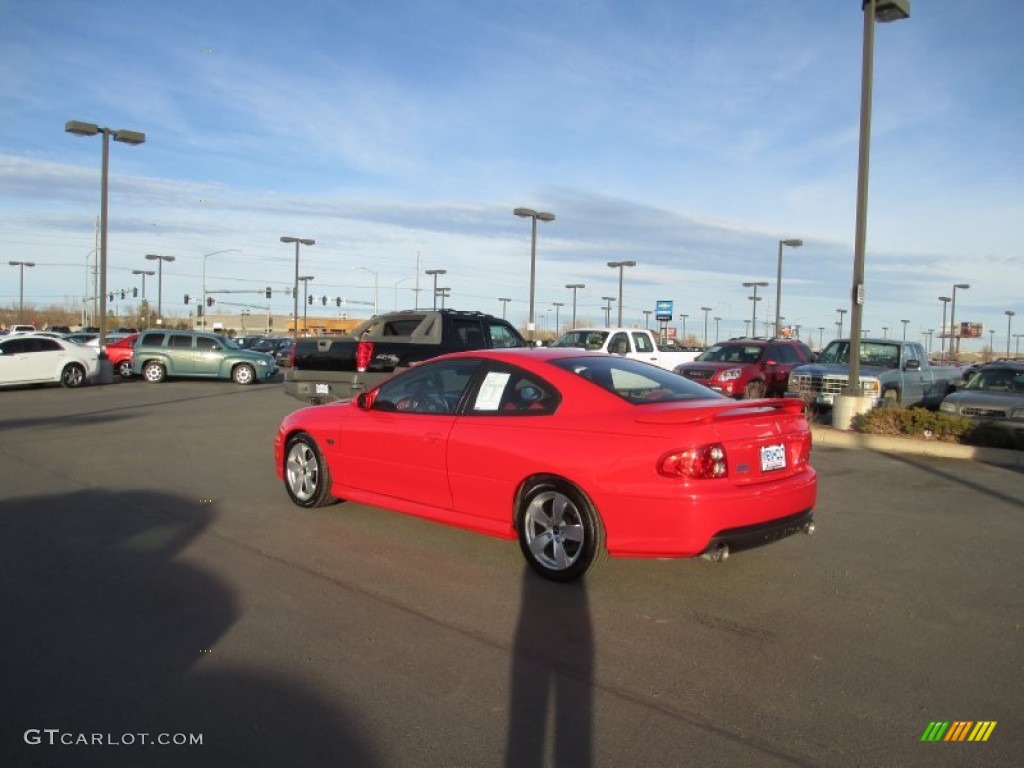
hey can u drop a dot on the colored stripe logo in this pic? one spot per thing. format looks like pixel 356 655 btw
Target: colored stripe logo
pixel 959 730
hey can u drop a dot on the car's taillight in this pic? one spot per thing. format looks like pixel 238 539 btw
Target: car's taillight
pixel 701 463
pixel 364 353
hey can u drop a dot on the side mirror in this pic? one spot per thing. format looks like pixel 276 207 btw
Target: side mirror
pixel 364 400
pixel 913 365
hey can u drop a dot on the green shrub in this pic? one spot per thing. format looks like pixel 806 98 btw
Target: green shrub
pixel 932 425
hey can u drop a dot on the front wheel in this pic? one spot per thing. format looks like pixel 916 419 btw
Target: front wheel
pixel 154 373
pixel 560 533
pixel 243 374
pixel 72 376
pixel 307 477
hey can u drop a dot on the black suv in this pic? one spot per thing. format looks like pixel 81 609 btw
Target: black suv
pixel 748 368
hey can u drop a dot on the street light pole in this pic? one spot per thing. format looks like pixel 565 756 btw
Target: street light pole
pixel 952 321
pixel 133 138
pixel 160 283
pixel 143 272
pixel 683 318
pixel 705 310
pixel 883 11
pixel 21 286
pixel 375 294
pixel 620 265
pixel 295 288
pixel 1009 322
pixel 794 243
pixel 305 303
pixel 529 213
pixel 754 299
pixel 905 322
pixel 205 257
pixel 558 306
pixel 839 332
pixel 573 287
pixel 504 305
pixel 608 310
pixel 942 329
pixel 435 273
pixel 717 321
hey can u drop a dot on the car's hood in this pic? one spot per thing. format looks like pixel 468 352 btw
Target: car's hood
pixel 837 369
pixel 712 365
pixel 976 397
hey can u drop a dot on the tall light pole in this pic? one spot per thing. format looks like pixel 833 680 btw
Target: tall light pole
pixel 705 310
pixel 1009 322
pixel 375 293
pixel 647 317
pixel 952 320
pixel 126 137
pixel 529 213
pixel 717 321
pixel 608 310
pixel 398 283
pixel 839 323
pixel 504 305
pixel 143 272
pixel 304 279
pixel 754 299
pixel 160 283
pixel 205 257
pixel 558 306
pixel 1016 348
pixel 435 273
pixel 21 286
pixel 620 265
pixel 573 287
pixel 683 318
pixel 905 322
pixel 942 329
pixel 444 293
pixel 794 243
pixel 821 337
pixel 295 288
pixel 883 11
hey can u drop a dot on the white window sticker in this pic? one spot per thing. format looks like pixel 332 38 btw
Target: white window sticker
pixel 489 396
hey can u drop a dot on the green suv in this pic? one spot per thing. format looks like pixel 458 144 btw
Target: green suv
pixel 159 354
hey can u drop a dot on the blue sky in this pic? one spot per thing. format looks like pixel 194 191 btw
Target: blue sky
pixel 689 136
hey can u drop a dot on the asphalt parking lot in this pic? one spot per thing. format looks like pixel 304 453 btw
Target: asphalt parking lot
pixel 155 579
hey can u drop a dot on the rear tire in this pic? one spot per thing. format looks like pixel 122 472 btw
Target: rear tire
pixel 307 477
pixel 124 369
pixel 890 399
pixel 560 533
pixel 154 373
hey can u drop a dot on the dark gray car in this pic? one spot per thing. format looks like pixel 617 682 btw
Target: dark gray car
pixel 994 392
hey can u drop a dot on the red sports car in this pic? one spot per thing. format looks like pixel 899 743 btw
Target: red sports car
pixel 120 354
pixel 573 453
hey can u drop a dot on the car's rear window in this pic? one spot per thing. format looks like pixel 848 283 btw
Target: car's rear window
pixel 635 382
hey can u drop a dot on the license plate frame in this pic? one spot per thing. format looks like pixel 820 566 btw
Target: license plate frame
pixel 773 457
pixel 323 389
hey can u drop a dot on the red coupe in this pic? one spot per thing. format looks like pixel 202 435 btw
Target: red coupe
pixel 573 453
pixel 120 353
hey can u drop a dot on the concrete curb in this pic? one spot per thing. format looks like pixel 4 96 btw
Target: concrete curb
pixel 838 438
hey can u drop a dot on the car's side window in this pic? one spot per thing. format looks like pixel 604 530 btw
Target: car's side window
pixel 642 342
pixel 502 337
pixel 151 340
pixel 434 388
pixel 180 341
pixel 511 392
pixel 207 344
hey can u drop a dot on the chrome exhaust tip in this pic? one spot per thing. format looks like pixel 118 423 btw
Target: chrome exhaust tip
pixel 716 554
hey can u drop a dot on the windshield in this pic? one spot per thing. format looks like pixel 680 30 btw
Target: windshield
pixel 582 339
pixel 635 382
pixel 732 353
pixel 997 380
pixel 872 353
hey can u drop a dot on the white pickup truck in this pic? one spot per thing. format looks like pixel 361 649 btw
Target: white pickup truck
pixel 636 343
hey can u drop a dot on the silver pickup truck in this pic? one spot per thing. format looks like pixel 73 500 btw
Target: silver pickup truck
pixel 891 372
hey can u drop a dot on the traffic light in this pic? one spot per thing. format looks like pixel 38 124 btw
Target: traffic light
pixel 311 301
pixel 135 293
pixel 110 298
pixel 199 310
pixel 337 301
pixel 210 301
pixel 187 297
pixel 122 295
pixel 268 291
pixel 323 300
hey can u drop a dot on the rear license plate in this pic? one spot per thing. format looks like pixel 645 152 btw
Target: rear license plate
pixel 773 457
pixel 323 389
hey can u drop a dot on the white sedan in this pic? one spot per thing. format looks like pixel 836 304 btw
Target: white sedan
pixel 31 359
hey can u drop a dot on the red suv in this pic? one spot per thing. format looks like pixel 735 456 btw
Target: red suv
pixel 748 368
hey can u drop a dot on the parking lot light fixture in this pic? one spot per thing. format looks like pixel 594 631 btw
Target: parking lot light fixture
pixel 955 353
pixel 607 310
pixel 205 257
pixel 144 273
pixel 295 289
pixel 435 273
pixel 1009 323
pixel 905 323
pixel 159 282
pixel 304 279
pixel 529 213
pixel 705 310
pixel 791 243
pixel 942 328
pixel 880 11
pixel 504 305
pixel 21 286
pixel 574 287
pixel 619 265
pixel 754 299
pixel 133 138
